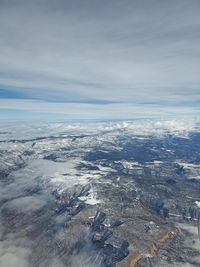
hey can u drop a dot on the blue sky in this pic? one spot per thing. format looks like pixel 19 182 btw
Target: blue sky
pixel 99 59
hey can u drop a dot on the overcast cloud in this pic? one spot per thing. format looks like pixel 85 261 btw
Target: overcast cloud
pixel 99 54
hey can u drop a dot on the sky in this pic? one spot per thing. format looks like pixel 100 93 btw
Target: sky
pixel 99 59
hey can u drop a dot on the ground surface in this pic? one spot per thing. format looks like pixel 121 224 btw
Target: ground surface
pixel 100 194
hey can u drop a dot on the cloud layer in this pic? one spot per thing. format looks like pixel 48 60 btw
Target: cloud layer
pixel 94 52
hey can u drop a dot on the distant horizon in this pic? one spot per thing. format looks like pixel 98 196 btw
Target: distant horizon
pixel 111 120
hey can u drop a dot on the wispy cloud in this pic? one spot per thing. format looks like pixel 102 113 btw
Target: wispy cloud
pixel 93 111
pixel 95 51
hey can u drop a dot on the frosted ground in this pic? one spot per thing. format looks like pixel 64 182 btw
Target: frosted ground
pixel 127 167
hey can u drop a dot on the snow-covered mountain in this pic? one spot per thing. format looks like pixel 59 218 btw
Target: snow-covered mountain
pixel 100 193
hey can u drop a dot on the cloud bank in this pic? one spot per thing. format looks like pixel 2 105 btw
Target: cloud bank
pixel 100 53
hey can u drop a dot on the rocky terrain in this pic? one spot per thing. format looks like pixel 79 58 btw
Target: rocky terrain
pixel 100 194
